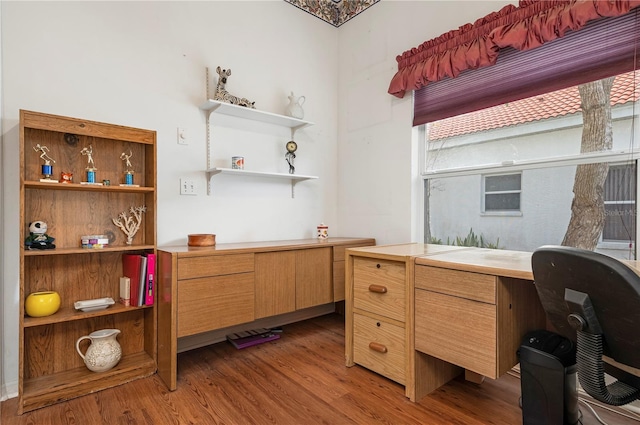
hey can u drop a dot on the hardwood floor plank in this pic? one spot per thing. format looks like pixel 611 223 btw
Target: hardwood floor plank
pixel 299 379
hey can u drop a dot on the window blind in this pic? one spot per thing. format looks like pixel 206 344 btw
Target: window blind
pixel 602 48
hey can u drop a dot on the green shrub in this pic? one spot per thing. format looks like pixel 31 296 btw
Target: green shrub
pixel 471 240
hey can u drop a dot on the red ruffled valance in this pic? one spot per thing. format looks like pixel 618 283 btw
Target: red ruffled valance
pixel 531 24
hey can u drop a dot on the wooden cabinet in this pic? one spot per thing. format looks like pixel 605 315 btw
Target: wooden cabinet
pixel 472 308
pixel 313 277
pixel 275 283
pixel 379 331
pixel 469 319
pixel 379 290
pixel 214 294
pixel 292 280
pixel 50 370
pixel 206 289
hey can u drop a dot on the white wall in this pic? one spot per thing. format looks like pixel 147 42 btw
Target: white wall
pixel 142 64
pixel 375 178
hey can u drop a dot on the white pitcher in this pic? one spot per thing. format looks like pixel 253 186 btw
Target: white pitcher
pixel 104 351
pixel 294 108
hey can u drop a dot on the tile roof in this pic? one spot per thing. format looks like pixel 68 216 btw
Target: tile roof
pixel 536 108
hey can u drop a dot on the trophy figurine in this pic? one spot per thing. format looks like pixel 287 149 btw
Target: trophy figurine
pixel 91 166
pixel 47 168
pixel 128 173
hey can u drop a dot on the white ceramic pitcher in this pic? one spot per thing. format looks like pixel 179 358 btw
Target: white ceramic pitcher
pixel 294 108
pixel 104 351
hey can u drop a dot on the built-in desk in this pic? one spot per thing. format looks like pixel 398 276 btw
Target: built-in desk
pixel 464 310
pixel 203 291
pixel 472 308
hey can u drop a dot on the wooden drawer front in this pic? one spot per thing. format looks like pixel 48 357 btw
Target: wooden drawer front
pixel 457 330
pixel 215 265
pixel 474 286
pixel 214 302
pixel 370 337
pixel 371 276
pixel 338 281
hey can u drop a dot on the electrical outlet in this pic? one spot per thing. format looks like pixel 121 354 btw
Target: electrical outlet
pixel 187 187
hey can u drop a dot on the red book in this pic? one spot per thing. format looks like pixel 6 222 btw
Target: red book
pixel 131 269
pixel 149 286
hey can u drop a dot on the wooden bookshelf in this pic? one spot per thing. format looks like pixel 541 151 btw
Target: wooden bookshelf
pixel 50 369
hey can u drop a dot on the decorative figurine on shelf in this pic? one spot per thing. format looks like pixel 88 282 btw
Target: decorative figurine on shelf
pixel 294 108
pixel 223 95
pixel 130 225
pixel 290 155
pixel 66 177
pixel 47 168
pixel 128 173
pixel 91 166
pixel 38 238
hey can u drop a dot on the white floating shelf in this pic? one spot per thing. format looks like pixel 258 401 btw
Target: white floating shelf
pixel 253 114
pixel 294 178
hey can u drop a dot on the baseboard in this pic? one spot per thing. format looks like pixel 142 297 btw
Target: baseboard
pixel 196 341
pixel 9 390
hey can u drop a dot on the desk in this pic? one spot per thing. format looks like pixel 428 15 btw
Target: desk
pixel 466 310
pixel 472 309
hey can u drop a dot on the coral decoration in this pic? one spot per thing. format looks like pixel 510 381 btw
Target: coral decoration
pixel 130 225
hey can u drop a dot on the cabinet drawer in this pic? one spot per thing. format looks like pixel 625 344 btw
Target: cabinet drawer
pixel 214 302
pixel 379 287
pixel 379 346
pixel 193 267
pixel 457 330
pixel 473 286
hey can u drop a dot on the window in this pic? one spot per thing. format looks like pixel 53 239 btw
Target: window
pixel 619 203
pixel 501 193
pixel 531 146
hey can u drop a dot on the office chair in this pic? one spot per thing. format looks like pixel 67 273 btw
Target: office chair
pixel 593 300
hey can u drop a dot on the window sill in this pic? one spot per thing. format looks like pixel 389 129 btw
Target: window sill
pixel 501 214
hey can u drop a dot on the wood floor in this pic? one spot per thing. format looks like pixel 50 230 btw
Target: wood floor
pixel 299 379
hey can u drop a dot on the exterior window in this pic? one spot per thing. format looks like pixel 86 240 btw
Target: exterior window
pixel 502 193
pixel 619 203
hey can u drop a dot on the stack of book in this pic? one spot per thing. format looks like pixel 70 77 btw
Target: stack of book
pixel 137 286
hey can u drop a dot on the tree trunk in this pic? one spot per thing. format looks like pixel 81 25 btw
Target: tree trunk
pixel 587 208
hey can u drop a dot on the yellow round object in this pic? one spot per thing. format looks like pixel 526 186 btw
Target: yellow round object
pixel 41 304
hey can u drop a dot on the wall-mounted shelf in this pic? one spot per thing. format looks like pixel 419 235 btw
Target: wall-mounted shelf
pixel 214 106
pixel 295 178
pixel 254 114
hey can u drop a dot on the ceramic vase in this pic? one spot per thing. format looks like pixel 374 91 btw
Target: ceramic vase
pixel 104 352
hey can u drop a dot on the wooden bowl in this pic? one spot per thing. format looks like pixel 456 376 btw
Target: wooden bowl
pixel 202 239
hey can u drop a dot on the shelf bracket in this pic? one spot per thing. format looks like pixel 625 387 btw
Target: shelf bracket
pixel 293 187
pixel 209 175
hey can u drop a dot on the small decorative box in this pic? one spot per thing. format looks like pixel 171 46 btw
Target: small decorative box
pixel 94 241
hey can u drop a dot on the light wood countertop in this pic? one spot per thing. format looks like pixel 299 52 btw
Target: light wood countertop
pixel 402 251
pixel 515 264
pixel 270 246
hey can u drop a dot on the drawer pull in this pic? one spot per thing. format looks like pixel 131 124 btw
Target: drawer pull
pixel 377 266
pixel 375 346
pixel 378 289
